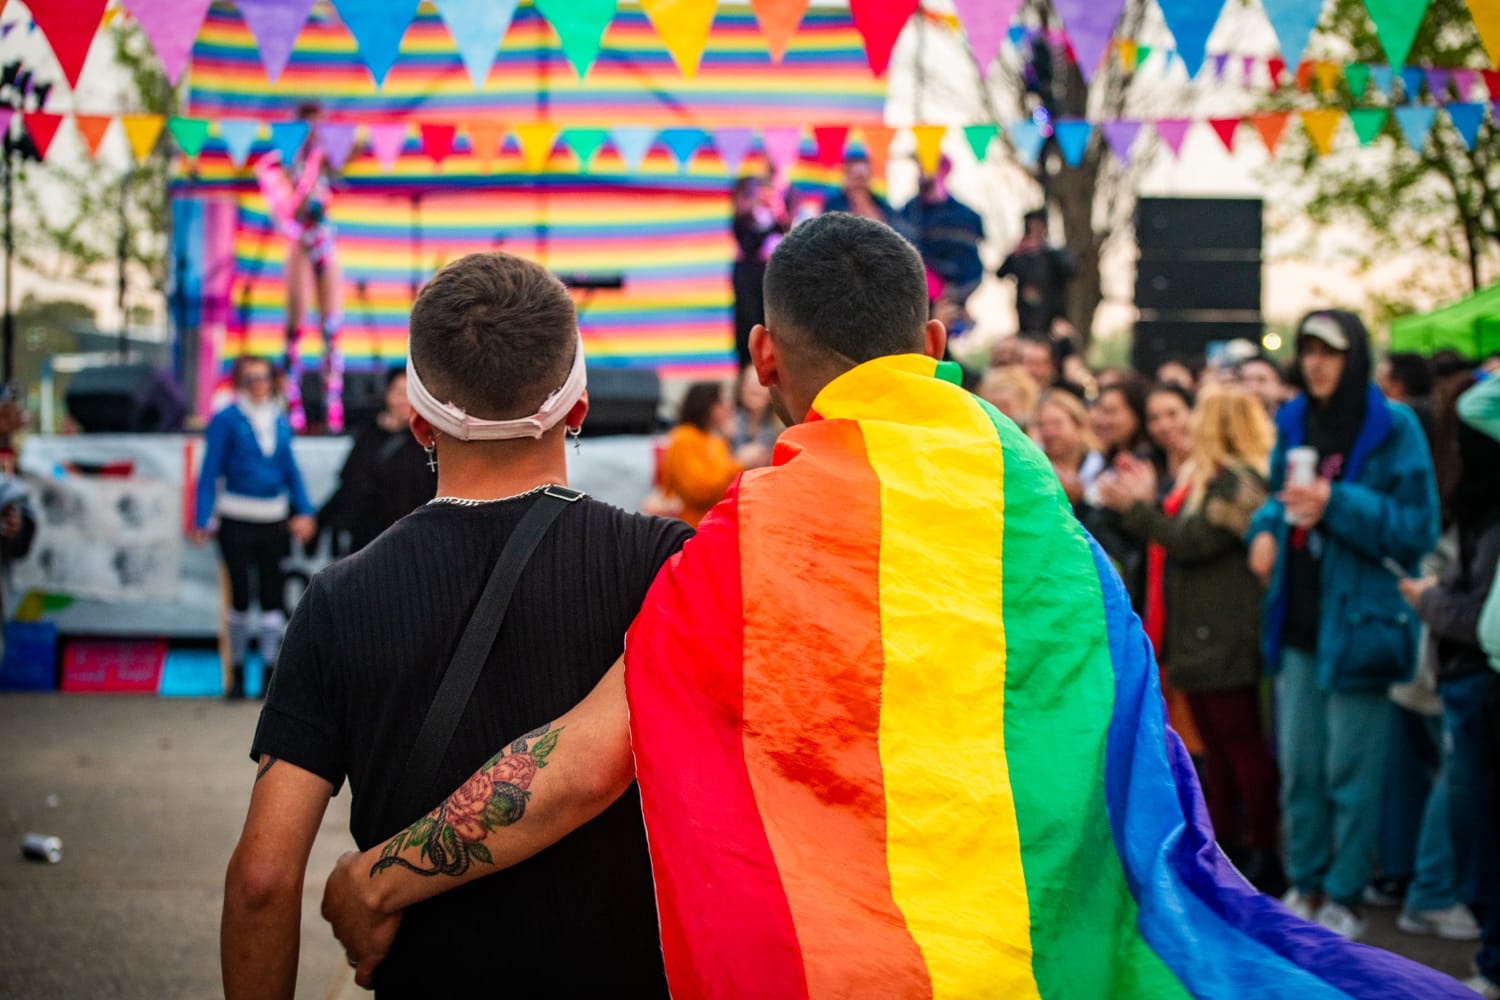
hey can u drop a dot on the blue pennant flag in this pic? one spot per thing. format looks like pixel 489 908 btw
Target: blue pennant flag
pixel 1026 136
pixel 1415 122
pixel 1072 138
pixel 1383 78
pixel 378 27
pixel 1191 22
pixel 238 135
pixel 1411 82
pixel 1017 34
pixel 477 26
pixel 632 142
pixel 1293 21
pixel 287 138
pixel 683 142
pixel 1466 117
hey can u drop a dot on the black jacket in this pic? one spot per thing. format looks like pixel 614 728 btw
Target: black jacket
pixel 1451 609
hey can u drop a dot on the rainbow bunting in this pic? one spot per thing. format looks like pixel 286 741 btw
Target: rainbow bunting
pixel 952 778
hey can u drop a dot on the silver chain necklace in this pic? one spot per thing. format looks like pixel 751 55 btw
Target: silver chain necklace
pixel 467 502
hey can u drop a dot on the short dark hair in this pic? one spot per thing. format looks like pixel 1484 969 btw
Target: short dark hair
pixel 494 334
pixel 1171 389
pixel 393 373
pixel 698 404
pixel 1412 371
pixel 237 370
pixel 1259 358
pixel 848 287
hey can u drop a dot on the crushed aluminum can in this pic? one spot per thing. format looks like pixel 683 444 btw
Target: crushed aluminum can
pixel 40 847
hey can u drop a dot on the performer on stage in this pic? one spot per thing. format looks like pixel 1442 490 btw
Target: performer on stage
pixel 298 195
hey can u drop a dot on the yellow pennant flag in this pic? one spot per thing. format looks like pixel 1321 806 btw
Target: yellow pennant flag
pixel 877 141
pixel 1128 55
pixel 1327 74
pixel 929 146
pixel 1486 14
pixel 536 141
pixel 142 132
pixel 485 138
pixel 1321 124
pixel 683 26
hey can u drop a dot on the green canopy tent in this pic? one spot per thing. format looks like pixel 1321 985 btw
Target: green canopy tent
pixel 1470 326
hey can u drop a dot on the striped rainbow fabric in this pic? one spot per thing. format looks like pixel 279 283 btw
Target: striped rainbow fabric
pixel 665 229
pixel 898 734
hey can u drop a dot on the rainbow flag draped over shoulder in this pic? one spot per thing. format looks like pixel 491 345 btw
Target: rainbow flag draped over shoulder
pixel 898 734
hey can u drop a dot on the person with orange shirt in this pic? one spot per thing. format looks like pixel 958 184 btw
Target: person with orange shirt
pixel 697 466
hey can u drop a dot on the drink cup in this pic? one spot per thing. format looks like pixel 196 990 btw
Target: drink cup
pixel 1301 470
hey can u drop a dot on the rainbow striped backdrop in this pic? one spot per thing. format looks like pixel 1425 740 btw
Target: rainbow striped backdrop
pixel 663 226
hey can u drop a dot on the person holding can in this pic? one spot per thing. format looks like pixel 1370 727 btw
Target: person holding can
pixel 1336 632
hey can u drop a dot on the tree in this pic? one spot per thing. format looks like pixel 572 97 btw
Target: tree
pixel 1443 198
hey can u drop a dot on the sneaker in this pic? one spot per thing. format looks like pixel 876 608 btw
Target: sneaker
pixel 1385 893
pixel 1455 923
pixel 1300 903
pixel 1341 920
pixel 1484 987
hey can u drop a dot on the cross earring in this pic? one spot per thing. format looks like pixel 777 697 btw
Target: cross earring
pixel 431 449
pixel 574 432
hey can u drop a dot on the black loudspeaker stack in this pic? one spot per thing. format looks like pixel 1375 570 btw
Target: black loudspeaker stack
pixel 125 399
pixel 622 401
pixel 1198 277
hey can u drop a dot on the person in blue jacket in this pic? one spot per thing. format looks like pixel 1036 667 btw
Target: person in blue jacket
pixel 1335 629
pixel 261 505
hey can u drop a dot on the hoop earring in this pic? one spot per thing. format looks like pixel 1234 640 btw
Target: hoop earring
pixel 574 432
pixel 431 449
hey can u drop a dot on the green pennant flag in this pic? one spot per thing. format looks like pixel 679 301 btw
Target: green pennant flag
pixel 585 142
pixel 1358 77
pixel 580 27
pixel 979 137
pixel 1367 123
pixel 1142 53
pixel 1396 23
pixel 189 133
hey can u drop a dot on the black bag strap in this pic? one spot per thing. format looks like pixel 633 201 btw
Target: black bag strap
pixel 474 648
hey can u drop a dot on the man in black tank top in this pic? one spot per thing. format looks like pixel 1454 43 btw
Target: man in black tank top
pixel 492 337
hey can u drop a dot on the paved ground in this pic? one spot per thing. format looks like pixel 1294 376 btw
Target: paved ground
pixel 148 796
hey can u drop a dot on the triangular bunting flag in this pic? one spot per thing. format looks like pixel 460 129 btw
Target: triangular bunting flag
pixel 1220 61
pixel 683 143
pixel 683 26
pixel 1367 123
pixel 877 142
pixel 1491 82
pixel 287 139
pixel 1247 69
pixel 536 140
pixel 1327 74
pixel 985 23
pixel 632 142
pixel 477 26
pixel 929 146
pixel 1396 23
pixel 1120 137
pixel 238 135
pixel 580 27
pixel 1275 67
pixel 1270 125
pixel 437 139
pixel 70 27
pixel 1027 139
pixel 781 145
pixel 1437 83
pixel 1072 136
pixel 1383 77
pixel 1191 22
pixel 1142 53
pixel 1016 34
pixel 830 141
pixel 1293 21
pixel 1415 123
pixel 42 126
pixel 880 22
pixel 337 141
pixel 387 141
pixel 1486 14
pixel 171 26
pixel 733 145
pixel 1412 79
pixel 1305 74
pixel 485 138
pixel 1225 128
pixel 585 144
pixel 189 134
pixel 1321 124
pixel 378 27
pixel 92 128
pixel 1466 117
pixel 1357 75
pixel 142 131
pixel 1173 131
pixel 1129 55
pixel 275 25
pixel 778 22
pixel 1463 82
pixel 1089 24
pixel 979 138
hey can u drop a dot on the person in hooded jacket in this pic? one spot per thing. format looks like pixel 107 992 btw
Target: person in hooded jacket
pixel 1336 632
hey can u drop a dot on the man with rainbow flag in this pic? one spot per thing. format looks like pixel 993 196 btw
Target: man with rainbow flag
pixel 896 729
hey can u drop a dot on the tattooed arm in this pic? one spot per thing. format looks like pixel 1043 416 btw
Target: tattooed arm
pixel 260 933
pixel 531 794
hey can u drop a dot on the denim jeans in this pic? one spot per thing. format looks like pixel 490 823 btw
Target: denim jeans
pixel 1333 749
pixel 1471 803
pixel 1415 838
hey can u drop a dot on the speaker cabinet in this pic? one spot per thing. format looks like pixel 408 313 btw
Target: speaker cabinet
pixel 622 401
pixel 131 399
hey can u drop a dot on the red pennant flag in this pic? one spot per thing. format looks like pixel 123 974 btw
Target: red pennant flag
pixel 1270 125
pixel 830 139
pixel 42 126
pixel 880 22
pixel 437 140
pixel 1492 82
pixel 1304 76
pixel 92 128
pixel 70 27
pixel 1275 66
pixel 1224 129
